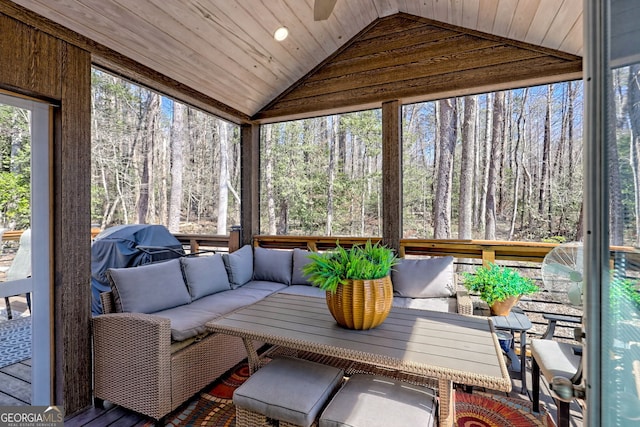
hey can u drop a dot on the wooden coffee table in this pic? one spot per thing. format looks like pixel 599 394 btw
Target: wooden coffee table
pixel 446 346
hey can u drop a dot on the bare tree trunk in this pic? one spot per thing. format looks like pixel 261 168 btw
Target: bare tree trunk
pixel 478 175
pixel 633 106
pixel 152 111
pixel 616 215
pixel 447 144
pixel 342 143
pixel 504 154
pixel 518 154
pixel 467 169
pixel 494 165
pixel 329 137
pixel 580 226
pixel 486 161
pixel 223 183
pixel 268 177
pixel 17 136
pixel 544 174
pixel 178 137
pixel 570 118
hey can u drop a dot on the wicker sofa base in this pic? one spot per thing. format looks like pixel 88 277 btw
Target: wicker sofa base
pixel 147 378
pixel 246 418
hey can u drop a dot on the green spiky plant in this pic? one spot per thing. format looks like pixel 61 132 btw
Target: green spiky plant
pixel 329 269
pixel 495 283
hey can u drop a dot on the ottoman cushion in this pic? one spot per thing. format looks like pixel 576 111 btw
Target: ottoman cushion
pixel 371 401
pixel 291 390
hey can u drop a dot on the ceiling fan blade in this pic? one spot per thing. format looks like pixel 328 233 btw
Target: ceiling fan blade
pixel 322 9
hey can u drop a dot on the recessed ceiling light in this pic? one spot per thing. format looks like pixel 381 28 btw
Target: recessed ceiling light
pixel 281 34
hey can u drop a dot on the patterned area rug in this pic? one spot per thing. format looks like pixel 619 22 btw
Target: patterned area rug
pixel 15 341
pixel 491 410
pixel 214 408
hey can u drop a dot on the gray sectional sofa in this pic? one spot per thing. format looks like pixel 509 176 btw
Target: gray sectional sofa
pixel 151 349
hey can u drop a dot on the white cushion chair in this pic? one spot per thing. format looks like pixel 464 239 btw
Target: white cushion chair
pixel 559 360
pixel 20 268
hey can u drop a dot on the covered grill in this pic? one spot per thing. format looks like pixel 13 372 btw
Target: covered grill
pixel 128 246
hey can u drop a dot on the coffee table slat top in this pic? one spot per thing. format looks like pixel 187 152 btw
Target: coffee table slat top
pixel 443 345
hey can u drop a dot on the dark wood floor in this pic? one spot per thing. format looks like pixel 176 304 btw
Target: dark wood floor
pixel 15 390
pixel 15 382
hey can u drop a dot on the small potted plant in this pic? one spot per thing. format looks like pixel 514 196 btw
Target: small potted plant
pixel 351 278
pixel 500 287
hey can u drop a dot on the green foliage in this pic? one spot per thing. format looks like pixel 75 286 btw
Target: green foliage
pixel 624 295
pixel 15 193
pixel 329 269
pixel 495 283
pixel 301 195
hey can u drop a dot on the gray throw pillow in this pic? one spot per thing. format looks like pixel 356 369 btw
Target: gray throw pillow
pixel 148 288
pixel 300 259
pixel 205 275
pixel 239 265
pixel 272 265
pixel 424 277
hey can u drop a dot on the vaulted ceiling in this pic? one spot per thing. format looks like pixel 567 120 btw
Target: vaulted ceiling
pixel 225 49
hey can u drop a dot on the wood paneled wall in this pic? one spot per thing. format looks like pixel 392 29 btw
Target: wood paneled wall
pixel 409 58
pixel 47 68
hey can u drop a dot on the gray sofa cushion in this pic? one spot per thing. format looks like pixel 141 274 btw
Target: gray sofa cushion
pixel 264 286
pixel 291 390
pixel 239 265
pixel 300 259
pixel 205 275
pixel 189 320
pixel 376 401
pixel 445 304
pixel 272 265
pixel 424 277
pixel 148 288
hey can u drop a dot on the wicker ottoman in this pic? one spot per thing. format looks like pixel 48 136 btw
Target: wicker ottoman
pixel 376 401
pixel 292 391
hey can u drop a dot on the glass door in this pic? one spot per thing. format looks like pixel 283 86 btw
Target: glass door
pixel 612 212
pixel 26 164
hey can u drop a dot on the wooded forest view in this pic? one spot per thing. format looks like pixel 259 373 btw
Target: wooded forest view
pixel 158 161
pixel 504 165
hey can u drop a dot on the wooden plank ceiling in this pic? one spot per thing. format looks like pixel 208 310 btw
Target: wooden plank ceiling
pixel 405 49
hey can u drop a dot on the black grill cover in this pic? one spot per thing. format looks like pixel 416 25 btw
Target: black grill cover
pixel 128 246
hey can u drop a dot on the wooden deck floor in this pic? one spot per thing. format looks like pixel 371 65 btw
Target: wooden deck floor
pixel 15 390
pixel 15 382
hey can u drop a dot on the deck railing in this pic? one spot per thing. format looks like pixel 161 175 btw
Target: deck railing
pixel 526 256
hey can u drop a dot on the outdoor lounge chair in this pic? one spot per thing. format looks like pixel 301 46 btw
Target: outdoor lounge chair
pixel 20 268
pixel 561 365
